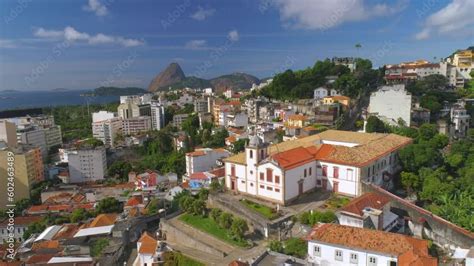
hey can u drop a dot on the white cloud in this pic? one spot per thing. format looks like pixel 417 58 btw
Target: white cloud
pixel 5 44
pixel 455 18
pixel 202 14
pixel 233 35
pixel 324 14
pixel 97 7
pixel 70 34
pixel 196 44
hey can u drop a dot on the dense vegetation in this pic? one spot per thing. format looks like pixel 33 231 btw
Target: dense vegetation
pixel 267 212
pixel 75 120
pixel 292 85
pixel 440 176
pixel 106 91
pixel 174 258
pixel 314 217
pixel 294 247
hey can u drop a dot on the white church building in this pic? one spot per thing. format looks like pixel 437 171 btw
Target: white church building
pixel 332 160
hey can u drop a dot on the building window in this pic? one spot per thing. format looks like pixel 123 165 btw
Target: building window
pixel 325 170
pixel 336 172
pixel 251 154
pixel 338 255
pixel 310 170
pixel 305 174
pixel 350 174
pixel 392 263
pixel 243 182
pixel 251 172
pixel 269 175
pixel 262 186
pixel 354 258
pixel 317 251
pixel 262 155
pixel 318 182
pixel 262 176
pixel 270 188
pixel 277 190
pixel 251 184
pixel 368 173
pixel 232 170
pixel 372 261
pixel 277 179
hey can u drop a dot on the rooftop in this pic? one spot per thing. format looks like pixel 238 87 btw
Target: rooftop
pixel 373 240
pixel 148 244
pixel 104 220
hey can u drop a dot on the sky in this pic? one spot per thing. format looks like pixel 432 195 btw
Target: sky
pixel 84 44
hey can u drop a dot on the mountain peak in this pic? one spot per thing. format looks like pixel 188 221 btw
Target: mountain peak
pixel 171 75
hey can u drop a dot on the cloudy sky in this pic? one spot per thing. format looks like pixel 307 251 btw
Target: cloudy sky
pixel 83 44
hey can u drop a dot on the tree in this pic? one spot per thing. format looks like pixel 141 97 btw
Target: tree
pixel 186 203
pixel 225 220
pixel 215 185
pixel 374 124
pixel 432 103
pixel 427 131
pixel 239 145
pixel 203 194
pixel 109 205
pixel 198 207
pixel 238 228
pixel 215 214
pixel 348 85
pixel 276 246
pixel 433 185
pixel 78 215
pixel 120 170
pixel 296 247
pixel 411 181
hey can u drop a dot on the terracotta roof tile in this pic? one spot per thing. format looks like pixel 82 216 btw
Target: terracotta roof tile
pixel 148 244
pixel 22 220
pixel 49 244
pixel 370 199
pixel 371 240
pixel 39 258
pixel 104 220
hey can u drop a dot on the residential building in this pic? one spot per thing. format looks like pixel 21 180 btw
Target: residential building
pixel 149 251
pixel 17 227
pixel 333 244
pixel 179 119
pixel 129 109
pixel 41 137
pixel 343 100
pixel 201 105
pixel 333 160
pixel 391 103
pixel 296 121
pixel 102 115
pixel 157 116
pixel 322 92
pixel 420 115
pixel 460 119
pixel 205 159
pixel 239 119
pixel 144 109
pixel 28 171
pixel 107 130
pixel 136 125
pixel 8 133
pixel 87 164
pixel 349 62
pixel 371 211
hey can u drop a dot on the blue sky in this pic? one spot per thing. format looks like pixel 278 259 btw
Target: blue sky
pixel 83 44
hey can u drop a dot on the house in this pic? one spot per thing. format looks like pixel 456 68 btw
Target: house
pixel 239 119
pixel 204 159
pixel 147 250
pixel 15 228
pixel 100 225
pixel 296 121
pixel 322 92
pixel 370 210
pixel 200 180
pixel 343 100
pixel 333 160
pixel 333 244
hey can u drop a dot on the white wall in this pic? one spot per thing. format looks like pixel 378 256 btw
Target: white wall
pixel 348 178
pixel 327 255
pixel 293 176
pixel 392 102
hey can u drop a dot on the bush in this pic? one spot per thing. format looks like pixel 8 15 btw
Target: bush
pixel 225 220
pixel 215 214
pixel 276 246
pixel 198 207
pixel 296 247
pixel 238 228
pixel 317 217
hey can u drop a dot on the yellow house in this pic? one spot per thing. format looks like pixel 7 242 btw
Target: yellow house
pixel 296 121
pixel 463 58
pixel 344 100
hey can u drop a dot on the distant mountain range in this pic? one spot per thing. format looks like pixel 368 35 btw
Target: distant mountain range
pixel 115 91
pixel 173 77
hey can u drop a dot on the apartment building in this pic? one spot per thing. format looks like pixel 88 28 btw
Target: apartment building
pixel 136 125
pixel 157 116
pixel 107 130
pixel 87 164
pixel 28 170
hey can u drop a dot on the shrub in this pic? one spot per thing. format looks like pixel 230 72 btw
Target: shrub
pixel 238 228
pixel 225 220
pixel 215 213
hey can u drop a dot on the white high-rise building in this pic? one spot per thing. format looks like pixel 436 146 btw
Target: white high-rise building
pixel 157 116
pixel 102 115
pixel 391 103
pixel 107 130
pixel 87 164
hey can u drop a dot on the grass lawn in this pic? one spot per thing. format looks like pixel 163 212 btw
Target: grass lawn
pixel 178 259
pixel 336 202
pixel 268 212
pixel 208 226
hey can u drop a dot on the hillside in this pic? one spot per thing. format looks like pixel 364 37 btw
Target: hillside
pixel 173 77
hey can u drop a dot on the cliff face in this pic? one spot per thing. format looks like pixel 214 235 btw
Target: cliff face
pixel 171 75
pixel 236 81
